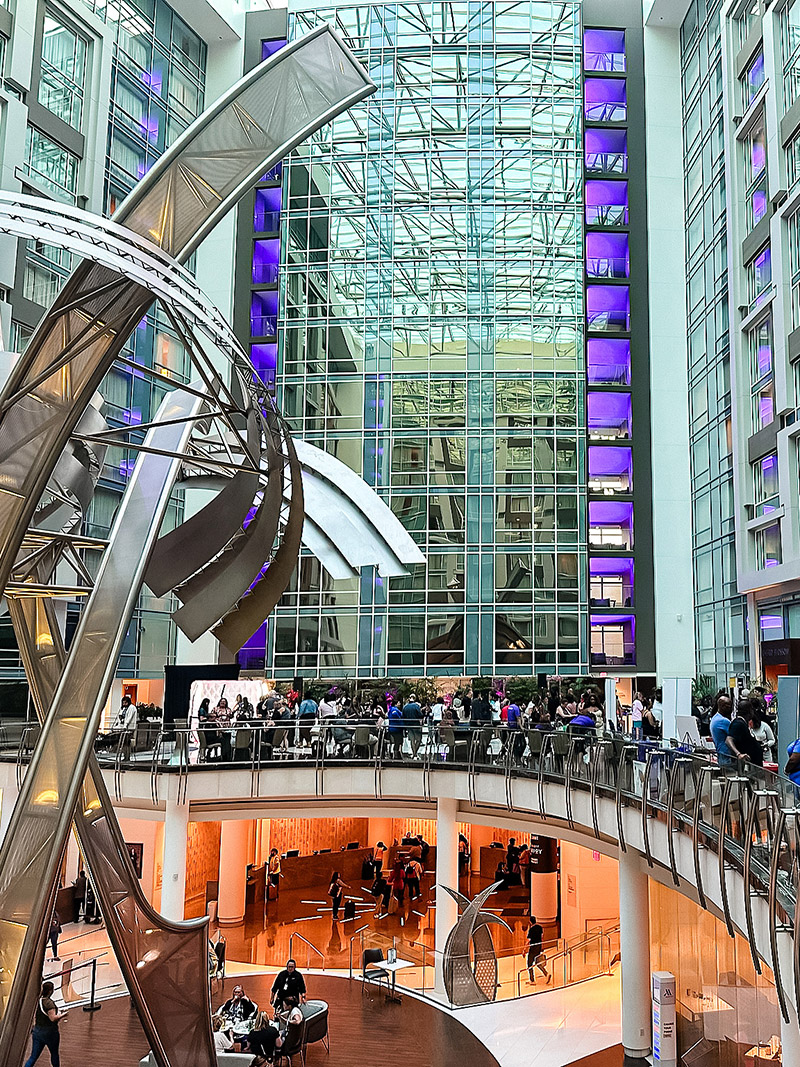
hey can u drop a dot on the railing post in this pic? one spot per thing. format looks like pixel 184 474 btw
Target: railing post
pixel 93 1005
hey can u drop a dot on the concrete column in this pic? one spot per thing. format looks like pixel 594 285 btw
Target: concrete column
pixel 634 943
pixel 233 852
pixel 790 1037
pixel 446 875
pixel 173 876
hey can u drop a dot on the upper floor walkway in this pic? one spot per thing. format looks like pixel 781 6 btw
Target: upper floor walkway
pixel 727 837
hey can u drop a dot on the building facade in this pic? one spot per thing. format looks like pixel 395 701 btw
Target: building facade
pixel 92 93
pixel 432 332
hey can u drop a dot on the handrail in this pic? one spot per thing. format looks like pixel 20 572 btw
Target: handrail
pixel 366 926
pixel 307 942
pixel 629 773
pixel 598 934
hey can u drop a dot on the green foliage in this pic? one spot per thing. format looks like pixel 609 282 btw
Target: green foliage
pixel 521 689
pixel 704 686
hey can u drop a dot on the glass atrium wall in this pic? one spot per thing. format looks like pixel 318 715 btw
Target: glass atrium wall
pixel 720 612
pixel 431 337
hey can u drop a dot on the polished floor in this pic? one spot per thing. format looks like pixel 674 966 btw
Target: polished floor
pixel 263 939
pixel 555 1029
pixel 364 1030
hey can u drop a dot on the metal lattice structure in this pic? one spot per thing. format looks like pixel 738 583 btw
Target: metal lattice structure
pixel 221 424
pixel 469 963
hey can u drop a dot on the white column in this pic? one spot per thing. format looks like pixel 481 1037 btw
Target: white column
pixel 634 943
pixel 790 1037
pixel 173 876
pixel 233 852
pixel 446 875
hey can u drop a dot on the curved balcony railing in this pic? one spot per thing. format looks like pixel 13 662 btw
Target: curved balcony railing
pixel 747 816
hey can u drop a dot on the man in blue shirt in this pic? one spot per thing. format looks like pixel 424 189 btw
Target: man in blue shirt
pixel 307 716
pixel 412 720
pixel 719 726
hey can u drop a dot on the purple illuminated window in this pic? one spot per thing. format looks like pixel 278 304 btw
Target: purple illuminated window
pixel 267 213
pixel 606 203
pixel 603 50
pixel 607 255
pixel 610 525
pixel 606 151
pixel 269 48
pixel 153 79
pixel 769 552
pixel 609 414
pixel 611 582
pixel 760 276
pixel 758 202
pixel 265 360
pixel 610 469
pixel 266 257
pixel 769 476
pixel 604 100
pixel 608 361
pixel 764 412
pixel 264 313
pixel 612 639
pixel 608 308
pixel 753 77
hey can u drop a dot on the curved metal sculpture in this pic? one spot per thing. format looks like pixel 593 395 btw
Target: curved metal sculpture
pixel 470 963
pixel 195 183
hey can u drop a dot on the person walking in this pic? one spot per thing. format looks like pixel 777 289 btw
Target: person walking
pixel 536 957
pixel 413 873
pixel 45 1031
pixel 336 893
pixel 53 932
pixel 78 895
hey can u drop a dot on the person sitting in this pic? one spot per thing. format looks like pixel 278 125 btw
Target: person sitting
pixel 288 989
pixel 264 1039
pixel 223 1038
pixel 124 723
pixel 237 1009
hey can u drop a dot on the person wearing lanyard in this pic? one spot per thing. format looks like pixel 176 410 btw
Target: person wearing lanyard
pixel 45 1028
pixel 289 988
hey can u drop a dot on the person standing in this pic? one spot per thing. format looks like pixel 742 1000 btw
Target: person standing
pixel 536 957
pixel 78 895
pixel 740 740
pixel 762 731
pixel 274 869
pixel 412 720
pixel 336 893
pixel 53 932
pixel 45 1031
pixel 413 873
pixel 719 726
pixel 306 718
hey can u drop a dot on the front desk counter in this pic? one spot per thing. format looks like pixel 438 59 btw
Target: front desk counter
pixel 306 872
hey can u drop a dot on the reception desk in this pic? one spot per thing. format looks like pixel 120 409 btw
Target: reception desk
pixel 305 872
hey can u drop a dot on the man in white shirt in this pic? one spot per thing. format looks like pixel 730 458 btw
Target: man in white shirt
pixel 125 723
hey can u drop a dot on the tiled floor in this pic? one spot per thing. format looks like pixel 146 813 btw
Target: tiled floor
pixel 550 1030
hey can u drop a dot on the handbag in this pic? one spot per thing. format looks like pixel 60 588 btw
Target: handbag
pixel 394 905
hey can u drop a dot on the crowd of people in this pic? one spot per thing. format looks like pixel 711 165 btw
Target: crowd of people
pixel 299 722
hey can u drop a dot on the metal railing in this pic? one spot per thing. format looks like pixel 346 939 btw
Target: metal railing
pixel 310 945
pixel 747 817
pixel 597 948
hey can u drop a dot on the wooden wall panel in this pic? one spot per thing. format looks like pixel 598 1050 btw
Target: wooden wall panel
pixel 202 865
pixel 311 835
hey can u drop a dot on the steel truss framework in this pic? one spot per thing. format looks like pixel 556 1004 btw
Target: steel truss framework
pixel 215 426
